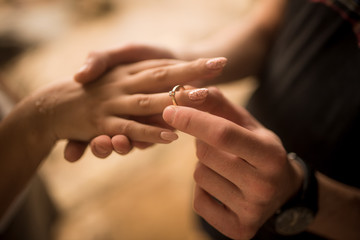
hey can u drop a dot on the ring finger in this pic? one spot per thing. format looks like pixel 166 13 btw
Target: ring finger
pixel 138 132
pixel 150 104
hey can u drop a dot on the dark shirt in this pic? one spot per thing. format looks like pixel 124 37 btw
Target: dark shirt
pixel 309 94
pixel 310 90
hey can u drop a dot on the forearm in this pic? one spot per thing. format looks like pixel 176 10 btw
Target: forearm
pixel 24 142
pixel 339 210
pixel 246 43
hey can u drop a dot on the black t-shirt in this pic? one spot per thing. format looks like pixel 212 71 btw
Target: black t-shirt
pixel 309 92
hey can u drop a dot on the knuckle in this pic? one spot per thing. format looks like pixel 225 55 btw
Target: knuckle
pixel 200 62
pixel 198 205
pixel 160 74
pixel 199 173
pixel 202 151
pixel 216 92
pixel 216 100
pixel 143 101
pixel 223 135
pixel 126 127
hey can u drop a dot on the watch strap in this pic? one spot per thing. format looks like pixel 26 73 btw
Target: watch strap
pixel 308 194
pixel 305 200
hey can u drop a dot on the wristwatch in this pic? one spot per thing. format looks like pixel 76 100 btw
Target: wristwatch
pixel 296 215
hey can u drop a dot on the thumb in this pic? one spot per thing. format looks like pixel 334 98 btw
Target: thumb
pixel 98 63
pixel 95 65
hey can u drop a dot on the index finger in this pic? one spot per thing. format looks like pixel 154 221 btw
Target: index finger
pixel 215 131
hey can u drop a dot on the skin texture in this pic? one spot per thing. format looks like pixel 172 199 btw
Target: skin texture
pixel 249 179
pixel 243 43
pixel 117 105
pixel 244 166
pixel 103 145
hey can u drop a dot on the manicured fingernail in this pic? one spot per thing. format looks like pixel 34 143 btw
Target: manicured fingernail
pixel 216 63
pixel 169 136
pixel 198 94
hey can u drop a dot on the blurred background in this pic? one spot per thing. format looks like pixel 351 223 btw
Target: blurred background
pixel 148 193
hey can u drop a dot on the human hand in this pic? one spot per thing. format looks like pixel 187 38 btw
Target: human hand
pixel 146 77
pixel 96 65
pixel 243 175
pixel 99 62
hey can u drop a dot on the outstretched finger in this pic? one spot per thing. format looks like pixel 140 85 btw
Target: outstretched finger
pixel 138 132
pixel 152 104
pixel 137 67
pixel 162 78
pixel 214 130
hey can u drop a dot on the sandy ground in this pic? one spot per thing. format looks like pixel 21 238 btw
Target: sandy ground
pixel 146 194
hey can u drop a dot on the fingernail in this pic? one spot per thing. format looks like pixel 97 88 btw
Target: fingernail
pixel 198 94
pixel 216 63
pixel 83 68
pixel 168 114
pixel 120 151
pixel 169 136
pixel 100 149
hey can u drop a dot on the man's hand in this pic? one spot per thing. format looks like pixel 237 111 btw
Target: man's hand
pixel 243 175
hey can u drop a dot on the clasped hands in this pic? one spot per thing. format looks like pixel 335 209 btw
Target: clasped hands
pixel 243 175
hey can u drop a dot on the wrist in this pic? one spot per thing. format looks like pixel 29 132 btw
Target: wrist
pixel 299 176
pixel 299 211
pixel 26 134
pixel 39 111
pixel 53 108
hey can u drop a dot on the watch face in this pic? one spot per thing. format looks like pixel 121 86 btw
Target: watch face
pixel 294 220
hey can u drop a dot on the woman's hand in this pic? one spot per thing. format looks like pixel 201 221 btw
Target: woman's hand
pixel 97 64
pixel 243 175
pixel 118 90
